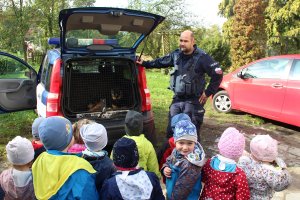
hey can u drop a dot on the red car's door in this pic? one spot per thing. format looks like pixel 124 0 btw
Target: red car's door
pixel 291 108
pixel 262 87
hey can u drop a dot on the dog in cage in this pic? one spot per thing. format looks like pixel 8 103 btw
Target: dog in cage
pixel 98 106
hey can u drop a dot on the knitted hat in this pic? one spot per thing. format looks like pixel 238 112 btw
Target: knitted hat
pixel 55 133
pixel 125 153
pixel 133 123
pixel 94 136
pixel 177 118
pixel 231 143
pixel 264 148
pixel 185 130
pixel 19 151
pixel 35 126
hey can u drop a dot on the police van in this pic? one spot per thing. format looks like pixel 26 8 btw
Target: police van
pixel 91 74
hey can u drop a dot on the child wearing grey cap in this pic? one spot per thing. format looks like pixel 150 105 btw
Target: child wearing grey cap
pixel 16 182
pixel 94 137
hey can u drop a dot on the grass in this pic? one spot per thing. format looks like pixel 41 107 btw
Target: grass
pixel 13 124
pixel 19 123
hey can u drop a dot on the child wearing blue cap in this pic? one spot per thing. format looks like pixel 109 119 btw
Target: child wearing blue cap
pixel 169 145
pixel 57 174
pixel 183 167
pixel 36 142
pixel 130 181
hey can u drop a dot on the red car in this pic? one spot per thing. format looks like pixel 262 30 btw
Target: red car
pixel 269 87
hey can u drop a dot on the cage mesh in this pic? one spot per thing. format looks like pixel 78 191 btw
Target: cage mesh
pixel 95 86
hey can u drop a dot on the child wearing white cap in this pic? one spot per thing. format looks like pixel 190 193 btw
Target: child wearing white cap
pixel 16 182
pixel 266 173
pixel 94 137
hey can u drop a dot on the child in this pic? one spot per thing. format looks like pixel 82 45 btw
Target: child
pixel 16 182
pixel 78 146
pixel 36 142
pixel 57 174
pixel 94 137
pixel 183 167
pixel 147 155
pixel 169 145
pixel 265 172
pixel 130 182
pixel 222 178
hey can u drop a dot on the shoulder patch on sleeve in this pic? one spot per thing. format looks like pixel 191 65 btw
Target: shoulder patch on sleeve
pixel 218 70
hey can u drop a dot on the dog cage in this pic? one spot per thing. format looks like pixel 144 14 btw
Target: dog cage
pixel 99 85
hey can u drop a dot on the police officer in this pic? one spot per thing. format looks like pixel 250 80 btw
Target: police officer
pixel 188 78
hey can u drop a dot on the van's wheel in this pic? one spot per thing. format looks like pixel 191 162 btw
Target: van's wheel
pixel 222 102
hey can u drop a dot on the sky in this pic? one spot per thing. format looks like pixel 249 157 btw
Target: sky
pixel 205 12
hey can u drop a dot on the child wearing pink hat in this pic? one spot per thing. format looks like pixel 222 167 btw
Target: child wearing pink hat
pixel 222 177
pixel 266 173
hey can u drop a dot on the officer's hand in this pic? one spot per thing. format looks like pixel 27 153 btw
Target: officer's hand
pixel 139 61
pixel 203 98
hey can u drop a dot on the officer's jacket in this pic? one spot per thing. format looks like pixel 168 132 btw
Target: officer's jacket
pixel 204 64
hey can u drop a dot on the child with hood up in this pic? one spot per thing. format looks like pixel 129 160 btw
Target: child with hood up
pixel 16 182
pixel 222 177
pixel 183 167
pixel 266 173
pixel 130 182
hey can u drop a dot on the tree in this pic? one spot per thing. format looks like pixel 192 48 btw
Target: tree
pixel 248 41
pixel 45 15
pixel 172 25
pixel 214 45
pixel 283 26
pixel 83 3
pixel 14 26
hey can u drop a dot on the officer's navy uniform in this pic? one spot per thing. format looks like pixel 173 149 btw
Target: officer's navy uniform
pixel 188 81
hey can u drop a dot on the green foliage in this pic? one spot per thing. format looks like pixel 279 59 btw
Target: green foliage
pixel 214 45
pixel 226 8
pixel 176 21
pixel 283 26
pixel 14 26
pixel 83 3
pixel 248 40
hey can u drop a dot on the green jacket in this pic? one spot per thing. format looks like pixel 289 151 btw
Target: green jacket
pixel 148 160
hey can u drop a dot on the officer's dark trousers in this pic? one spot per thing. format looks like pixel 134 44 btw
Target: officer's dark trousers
pixel 193 109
